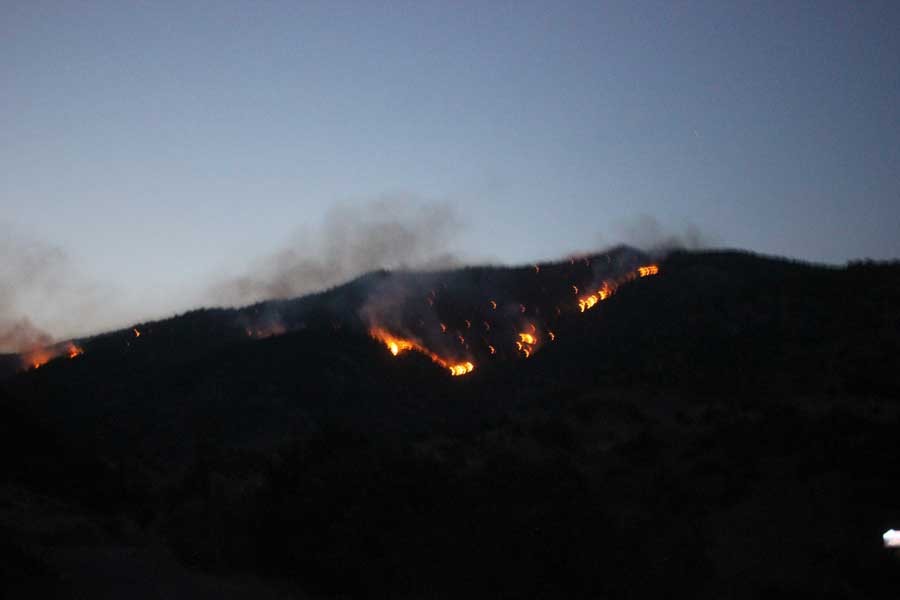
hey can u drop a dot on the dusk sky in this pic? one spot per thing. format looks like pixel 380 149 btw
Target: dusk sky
pixel 156 148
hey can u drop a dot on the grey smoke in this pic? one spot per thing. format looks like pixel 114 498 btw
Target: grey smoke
pixel 388 233
pixel 646 233
pixel 29 272
pixel 42 290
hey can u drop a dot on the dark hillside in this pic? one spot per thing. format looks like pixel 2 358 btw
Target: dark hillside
pixel 726 428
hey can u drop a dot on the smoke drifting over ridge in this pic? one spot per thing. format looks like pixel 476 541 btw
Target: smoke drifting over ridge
pixel 390 233
pixel 646 233
pixel 29 271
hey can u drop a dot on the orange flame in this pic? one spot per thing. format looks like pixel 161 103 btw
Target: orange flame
pixel 608 288
pixel 137 333
pixel 526 343
pixel 587 302
pixel 396 345
pixel 461 368
pixel 38 357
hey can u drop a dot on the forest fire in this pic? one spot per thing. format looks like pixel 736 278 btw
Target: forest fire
pixel 397 345
pixel 37 358
pixel 608 288
pixel 526 337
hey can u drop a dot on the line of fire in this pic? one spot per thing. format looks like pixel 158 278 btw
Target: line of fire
pixel 526 340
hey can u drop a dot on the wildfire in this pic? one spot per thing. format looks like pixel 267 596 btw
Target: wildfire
pixel 608 288
pixel 526 343
pixel 461 368
pixel 137 333
pixel 37 358
pixel 396 345
pixel 588 302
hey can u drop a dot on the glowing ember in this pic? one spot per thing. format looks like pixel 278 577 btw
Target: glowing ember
pixel 552 336
pixel 493 304
pixel 492 349
pixel 72 350
pixel 527 338
pixel 137 333
pixel 443 328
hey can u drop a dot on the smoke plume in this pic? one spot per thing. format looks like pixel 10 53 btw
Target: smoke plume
pixel 646 233
pixel 30 271
pixel 390 233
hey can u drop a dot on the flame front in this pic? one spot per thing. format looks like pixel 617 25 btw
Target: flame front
pixel 608 288
pixel 526 341
pixel 396 345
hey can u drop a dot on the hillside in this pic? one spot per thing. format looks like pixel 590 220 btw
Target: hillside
pixel 723 427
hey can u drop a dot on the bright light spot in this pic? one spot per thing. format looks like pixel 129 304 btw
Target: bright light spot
pixel 891 539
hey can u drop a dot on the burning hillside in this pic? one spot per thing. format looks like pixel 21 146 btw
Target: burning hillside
pixel 443 323
pixel 38 357
pixel 461 319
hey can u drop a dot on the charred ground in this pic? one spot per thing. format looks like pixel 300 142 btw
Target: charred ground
pixel 726 428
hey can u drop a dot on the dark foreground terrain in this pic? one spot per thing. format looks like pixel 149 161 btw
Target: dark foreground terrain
pixel 725 429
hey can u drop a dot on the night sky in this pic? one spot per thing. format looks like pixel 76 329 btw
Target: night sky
pixel 155 148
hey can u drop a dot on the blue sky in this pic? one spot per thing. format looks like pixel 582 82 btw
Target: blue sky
pixel 162 145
